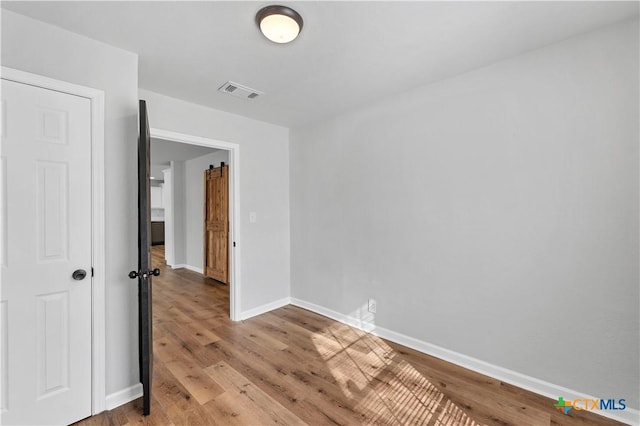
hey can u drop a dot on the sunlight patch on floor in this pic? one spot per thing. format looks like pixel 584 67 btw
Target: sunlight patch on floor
pixel 381 385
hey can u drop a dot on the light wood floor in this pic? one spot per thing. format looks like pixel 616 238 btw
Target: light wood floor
pixel 292 367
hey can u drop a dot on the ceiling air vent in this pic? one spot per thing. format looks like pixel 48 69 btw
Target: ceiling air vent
pixel 239 91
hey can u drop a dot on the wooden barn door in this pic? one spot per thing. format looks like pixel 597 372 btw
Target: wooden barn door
pixel 216 223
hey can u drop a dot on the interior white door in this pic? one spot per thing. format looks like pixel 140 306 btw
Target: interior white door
pixel 46 237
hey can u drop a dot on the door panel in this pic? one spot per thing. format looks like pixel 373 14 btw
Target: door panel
pixel 46 209
pixel 216 224
pixel 52 317
pixel 4 358
pixel 52 193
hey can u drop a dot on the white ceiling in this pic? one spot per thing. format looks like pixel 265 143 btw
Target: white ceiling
pixel 348 54
pixel 162 151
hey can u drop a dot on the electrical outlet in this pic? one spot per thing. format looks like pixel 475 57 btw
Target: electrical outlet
pixel 372 305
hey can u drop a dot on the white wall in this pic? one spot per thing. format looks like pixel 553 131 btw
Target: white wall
pixel 156 169
pixel 194 196
pixel 494 214
pixel 179 211
pixel 264 183
pixel 39 48
pixel 169 248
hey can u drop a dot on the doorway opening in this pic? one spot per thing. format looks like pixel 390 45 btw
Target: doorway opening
pixel 214 151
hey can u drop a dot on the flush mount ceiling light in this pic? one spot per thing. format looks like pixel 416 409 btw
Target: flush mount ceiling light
pixel 279 24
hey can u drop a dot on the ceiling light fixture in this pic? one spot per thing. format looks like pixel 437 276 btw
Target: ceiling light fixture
pixel 280 24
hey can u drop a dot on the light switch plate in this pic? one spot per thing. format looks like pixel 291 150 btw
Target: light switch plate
pixel 253 217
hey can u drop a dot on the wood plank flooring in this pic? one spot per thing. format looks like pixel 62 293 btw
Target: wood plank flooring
pixel 293 367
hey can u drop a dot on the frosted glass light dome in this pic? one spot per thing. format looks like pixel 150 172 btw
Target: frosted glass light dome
pixel 279 24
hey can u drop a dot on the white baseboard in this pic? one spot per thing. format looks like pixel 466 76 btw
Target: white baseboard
pixel 550 390
pixel 189 267
pixel 265 308
pixel 123 396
